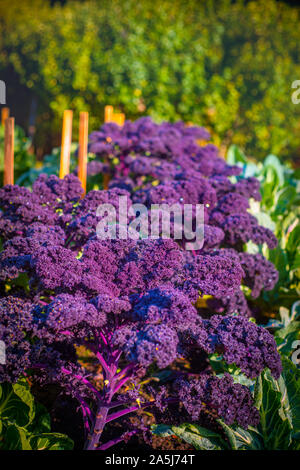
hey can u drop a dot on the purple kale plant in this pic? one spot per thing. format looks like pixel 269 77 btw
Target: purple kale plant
pixel 163 164
pixel 131 303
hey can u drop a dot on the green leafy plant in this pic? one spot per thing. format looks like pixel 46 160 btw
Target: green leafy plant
pixel 286 329
pixel 49 166
pixel 278 210
pixel 24 423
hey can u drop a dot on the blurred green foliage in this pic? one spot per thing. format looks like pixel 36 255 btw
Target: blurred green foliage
pixel 278 210
pixel 226 65
pixel 49 166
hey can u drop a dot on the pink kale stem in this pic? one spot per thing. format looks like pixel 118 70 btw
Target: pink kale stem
pixel 86 406
pixel 121 383
pixel 101 415
pixel 100 421
pixel 124 371
pixel 120 413
pixel 86 412
pixel 118 354
pixel 103 338
pixel 103 364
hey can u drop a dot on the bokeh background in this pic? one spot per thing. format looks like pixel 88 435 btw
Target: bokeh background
pixel 226 65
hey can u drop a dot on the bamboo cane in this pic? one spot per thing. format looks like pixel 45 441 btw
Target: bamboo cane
pixel 9 151
pixel 66 143
pixel 108 113
pixel 108 117
pixel 4 115
pixel 83 147
pixel 119 118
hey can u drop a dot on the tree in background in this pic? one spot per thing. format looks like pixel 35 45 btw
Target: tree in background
pixel 227 66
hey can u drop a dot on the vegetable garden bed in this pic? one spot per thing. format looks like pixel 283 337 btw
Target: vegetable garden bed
pixel 137 340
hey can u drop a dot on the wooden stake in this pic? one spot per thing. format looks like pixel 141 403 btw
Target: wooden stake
pixel 9 151
pixel 66 140
pixel 108 113
pixel 106 177
pixel 108 117
pixel 4 115
pixel 83 147
pixel 119 118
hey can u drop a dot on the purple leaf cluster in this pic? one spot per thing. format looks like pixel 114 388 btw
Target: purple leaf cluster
pixel 163 164
pixel 231 401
